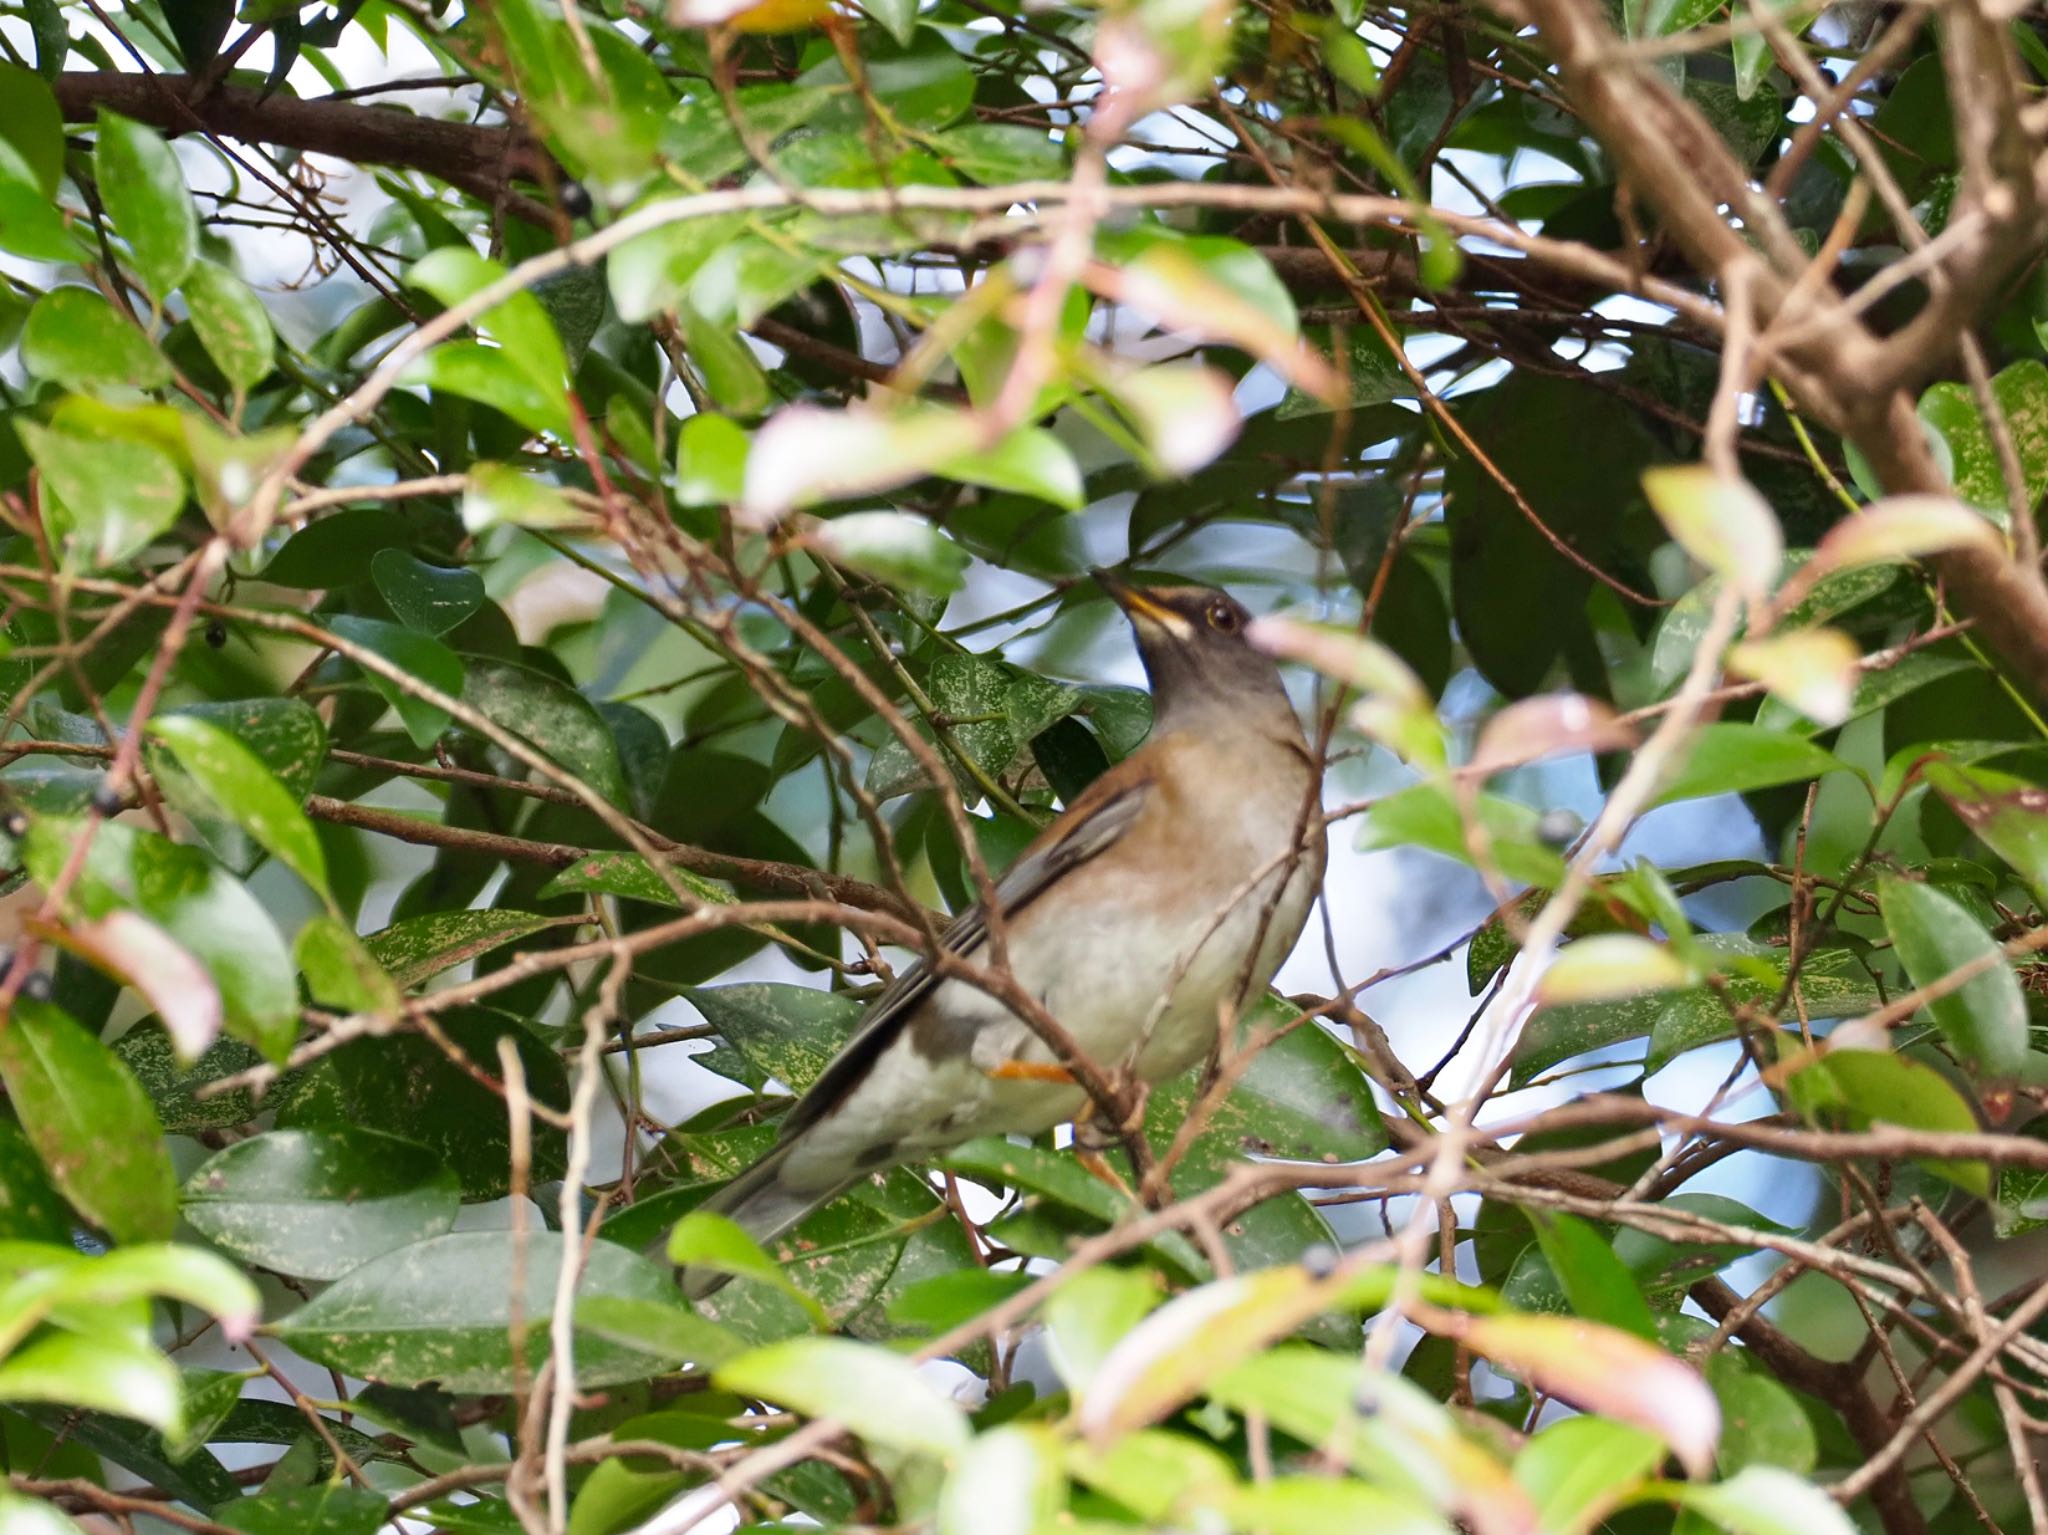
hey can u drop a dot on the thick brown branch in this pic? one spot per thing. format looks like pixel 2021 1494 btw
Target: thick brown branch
pixel 476 157
pixel 1670 158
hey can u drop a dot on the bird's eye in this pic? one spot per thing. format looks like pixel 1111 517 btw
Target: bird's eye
pixel 1222 617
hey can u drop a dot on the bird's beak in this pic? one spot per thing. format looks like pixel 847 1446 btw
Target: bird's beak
pixel 1141 609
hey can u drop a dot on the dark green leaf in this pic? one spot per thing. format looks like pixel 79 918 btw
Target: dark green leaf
pixel 209 913
pixel 90 1122
pixel 332 1508
pixel 1985 1019
pixel 318 1202
pixel 415 655
pixel 441 1310
pixel 420 948
pixel 551 715
pixel 430 598
pixel 144 190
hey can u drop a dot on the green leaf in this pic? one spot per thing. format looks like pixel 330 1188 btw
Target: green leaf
pixel 31 1209
pixel 520 324
pixel 1313 1505
pixel 1609 966
pixel 790 1033
pixel 995 153
pixel 117 494
pixel 210 1395
pixel 731 373
pixel 340 971
pixel 1090 1314
pixel 2009 815
pixel 711 460
pixel 33 226
pixel 877 1394
pixel 316 1203
pixel 896 548
pixel 1835 983
pixel 206 911
pixel 500 493
pixel 664 1330
pixel 1426 815
pixel 2021 391
pixel 143 187
pixel 440 1310
pixel 493 376
pixel 1007 1482
pixel 705 1240
pixel 407 1085
pixel 32 128
pixel 174 1087
pixel 429 598
pixel 1730 758
pixel 652 272
pixel 1984 1020
pixel 945 1301
pixel 1597 1284
pixel 90 1122
pixel 807 454
pixel 110 1373
pixel 1877 1088
pixel 417 654
pixel 631 876
pixel 2020 1197
pixel 419 948
pixel 283 733
pixel 1385 1428
pixel 1577 1469
pixel 232 323
pixel 244 790
pixel 552 716
pixel 1762 1423
pixel 78 339
pixel 336 550
pixel 1763 1500
pixel 330 1508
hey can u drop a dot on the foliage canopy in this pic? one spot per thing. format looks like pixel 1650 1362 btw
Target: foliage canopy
pixel 545 537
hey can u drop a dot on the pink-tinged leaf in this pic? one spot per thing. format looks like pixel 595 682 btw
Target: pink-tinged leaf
pixel 135 951
pixel 1549 725
pixel 1397 710
pixel 1722 523
pixel 1354 659
pixel 1608 966
pixel 1180 292
pixel 1178 1350
pixel 1813 670
pixel 1904 528
pixel 806 454
pixel 1186 414
pixel 1603 1370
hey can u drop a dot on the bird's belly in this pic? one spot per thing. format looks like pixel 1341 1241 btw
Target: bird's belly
pixel 1121 985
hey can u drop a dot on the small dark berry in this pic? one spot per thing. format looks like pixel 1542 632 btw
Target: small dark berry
pixel 1319 1260
pixel 107 801
pixel 1558 827
pixel 14 823
pixel 574 199
pixel 217 635
pixel 36 987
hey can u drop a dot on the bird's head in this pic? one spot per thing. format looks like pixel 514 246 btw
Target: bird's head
pixel 1193 640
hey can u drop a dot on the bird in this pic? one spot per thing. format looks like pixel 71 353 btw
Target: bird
pixel 1164 897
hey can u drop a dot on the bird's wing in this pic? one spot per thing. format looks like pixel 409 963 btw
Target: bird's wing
pixel 1094 823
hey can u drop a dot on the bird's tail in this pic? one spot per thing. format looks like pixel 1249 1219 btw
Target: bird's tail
pixel 764 1206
